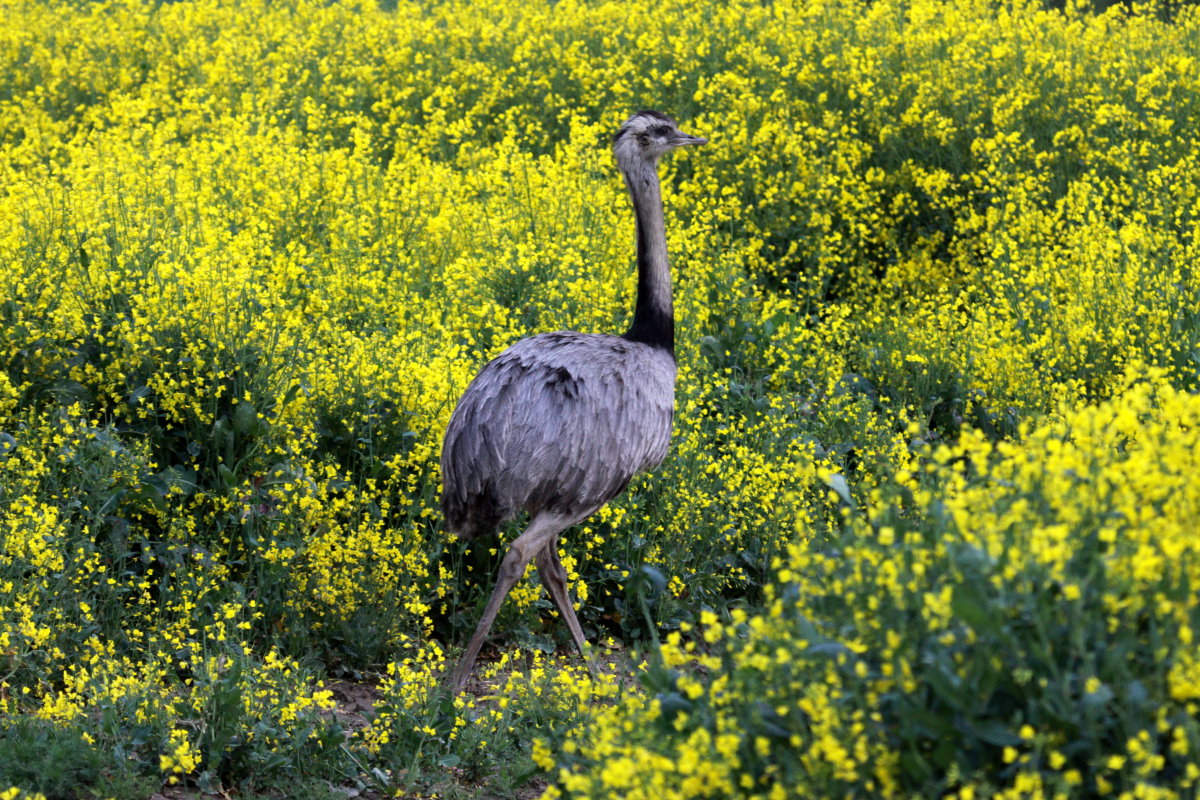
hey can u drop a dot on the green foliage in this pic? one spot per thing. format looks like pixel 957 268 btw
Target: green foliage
pixel 1000 627
pixel 428 741
pixel 250 737
pixel 64 762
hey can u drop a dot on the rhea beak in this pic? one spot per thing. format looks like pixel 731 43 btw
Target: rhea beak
pixel 680 139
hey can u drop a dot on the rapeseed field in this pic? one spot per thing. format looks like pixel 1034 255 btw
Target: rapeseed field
pixel 929 524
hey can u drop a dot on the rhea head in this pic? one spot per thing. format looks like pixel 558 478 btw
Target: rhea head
pixel 647 135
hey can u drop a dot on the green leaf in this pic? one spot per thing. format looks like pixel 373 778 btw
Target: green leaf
pixel 228 479
pixel 946 685
pixel 654 577
pixel 996 733
pixel 245 419
pixel 672 704
pixel 838 483
pixel 912 763
pixel 1094 702
pixel 970 604
pixel 139 394
pixel 830 649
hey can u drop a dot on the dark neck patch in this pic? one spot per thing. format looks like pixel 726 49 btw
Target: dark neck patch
pixel 651 324
pixel 656 330
pixel 653 320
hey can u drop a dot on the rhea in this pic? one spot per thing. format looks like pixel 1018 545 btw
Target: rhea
pixel 559 423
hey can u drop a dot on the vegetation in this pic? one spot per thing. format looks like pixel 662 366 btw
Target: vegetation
pixel 926 529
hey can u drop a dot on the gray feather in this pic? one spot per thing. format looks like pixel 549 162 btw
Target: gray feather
pixel 558 422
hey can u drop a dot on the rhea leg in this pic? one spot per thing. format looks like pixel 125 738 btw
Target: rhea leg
pixel 542 530
pixel 554 578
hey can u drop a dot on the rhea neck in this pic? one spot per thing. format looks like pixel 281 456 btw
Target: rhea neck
pixel 654 314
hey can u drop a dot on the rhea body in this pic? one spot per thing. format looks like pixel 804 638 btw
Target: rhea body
pixel 559 423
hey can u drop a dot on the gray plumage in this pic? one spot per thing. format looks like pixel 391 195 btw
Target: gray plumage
pixel 559 423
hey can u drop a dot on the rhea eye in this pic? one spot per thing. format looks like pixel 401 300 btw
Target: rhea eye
pixel 660 130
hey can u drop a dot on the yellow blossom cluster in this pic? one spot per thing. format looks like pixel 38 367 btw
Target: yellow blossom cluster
pixel 1006 646
pixel 518 691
